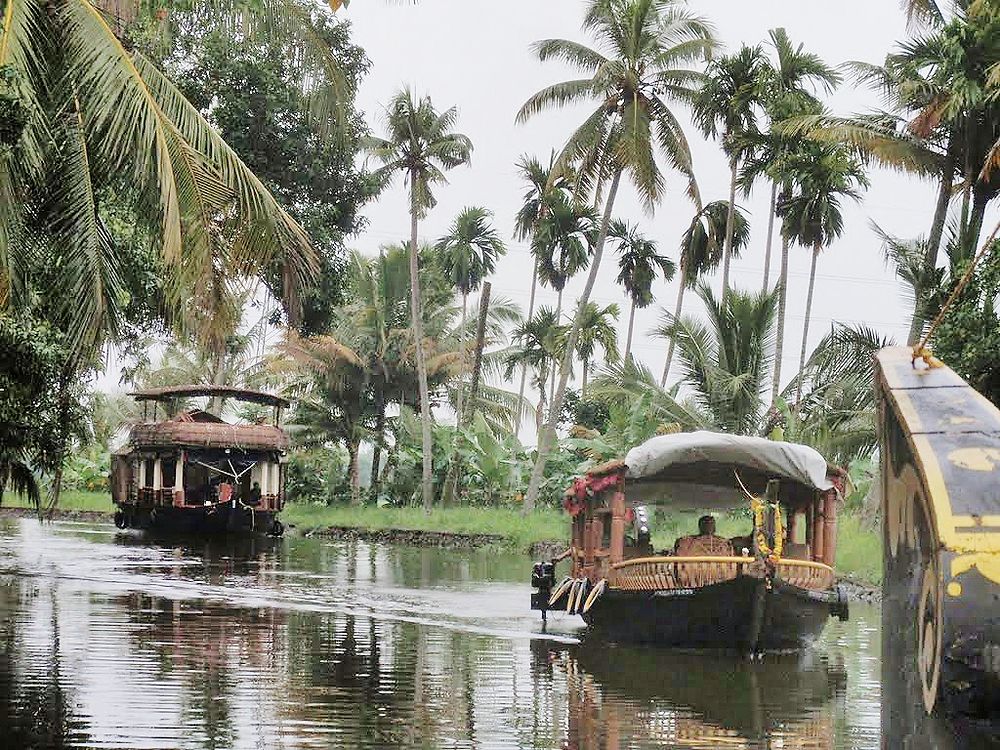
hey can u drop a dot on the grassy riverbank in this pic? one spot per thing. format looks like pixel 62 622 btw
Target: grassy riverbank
pixel 859 549
pixel 90 501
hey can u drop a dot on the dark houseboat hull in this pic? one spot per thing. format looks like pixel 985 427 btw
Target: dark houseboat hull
pixel 211 520
pixel 742 614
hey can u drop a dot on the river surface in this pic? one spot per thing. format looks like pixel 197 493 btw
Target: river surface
pixel 117 641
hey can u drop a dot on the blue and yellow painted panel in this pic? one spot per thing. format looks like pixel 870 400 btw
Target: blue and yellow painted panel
pixel 940 448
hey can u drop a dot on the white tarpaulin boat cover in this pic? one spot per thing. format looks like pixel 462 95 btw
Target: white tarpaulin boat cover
pixel 699 469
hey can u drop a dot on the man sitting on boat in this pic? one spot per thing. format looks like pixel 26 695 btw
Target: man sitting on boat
pixel 706 543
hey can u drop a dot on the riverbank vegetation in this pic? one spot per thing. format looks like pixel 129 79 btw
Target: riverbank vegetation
pixel 206 236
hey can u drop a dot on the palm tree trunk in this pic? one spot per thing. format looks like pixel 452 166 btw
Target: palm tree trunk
pixel 934 239
pixel 583 386
pixel 547 438
pixel 727 248
pixel 779 338
pixel 375 480
pixel 354 471
pixel 418 334
pixel 451 478
pixel 805 326
pixel 770 237
pixel 677 314
pixel 552 387
pixel 628 340
pixel 524 368
pixel 459 398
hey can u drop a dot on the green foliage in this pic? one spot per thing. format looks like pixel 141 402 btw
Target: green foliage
pixel 88 470
pixel 253 95
pixel 968 338
pixel 591 414
pixel 317 475
pixel 40 408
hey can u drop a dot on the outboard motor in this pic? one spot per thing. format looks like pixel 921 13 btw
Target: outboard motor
pixel 543 579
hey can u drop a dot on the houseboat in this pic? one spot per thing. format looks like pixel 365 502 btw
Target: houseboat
pixel 185 469
pixel 770 589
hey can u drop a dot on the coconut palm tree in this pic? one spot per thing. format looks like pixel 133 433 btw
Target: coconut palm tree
pixel 598 330
pixel 562 241
pixel 638 263
pixel 701 253
pixel 639 69
pixel 87 115
pixel 726 106
pixel 466 256
pixel 421 144
pixel 941 115
pixel 824 174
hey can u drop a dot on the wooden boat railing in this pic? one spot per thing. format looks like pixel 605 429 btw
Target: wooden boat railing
pixel 669 572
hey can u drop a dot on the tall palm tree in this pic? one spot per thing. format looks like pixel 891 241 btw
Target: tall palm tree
pixel 640 68
pixel 727 106
pixel 638 263
pixel 824 174
pixel 467 255
pixel 701 253
pixel 562 242
pixel 537 344
pixel 598 330
pixel 420 145
pixel 788 86
pixel 544 187
pixel 726 361
pixel 941 118
pixel 93 115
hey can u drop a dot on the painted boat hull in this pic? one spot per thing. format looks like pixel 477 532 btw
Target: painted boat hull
pixel 213 520
pixel 741 614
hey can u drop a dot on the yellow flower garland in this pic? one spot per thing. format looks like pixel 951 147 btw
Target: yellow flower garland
pixel 757 506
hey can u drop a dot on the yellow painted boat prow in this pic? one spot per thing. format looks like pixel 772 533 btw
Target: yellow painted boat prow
pixel 940 450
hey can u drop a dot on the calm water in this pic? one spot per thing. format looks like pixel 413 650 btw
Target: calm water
pixel 109 640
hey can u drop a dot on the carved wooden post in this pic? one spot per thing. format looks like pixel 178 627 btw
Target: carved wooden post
pixel 618 522
pixel 818 537
pixel 830 528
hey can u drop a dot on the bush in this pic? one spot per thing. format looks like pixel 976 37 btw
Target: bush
pixel 88 470
pixel 317 475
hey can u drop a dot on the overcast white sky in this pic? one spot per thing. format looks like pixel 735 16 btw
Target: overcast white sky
pixel 474 54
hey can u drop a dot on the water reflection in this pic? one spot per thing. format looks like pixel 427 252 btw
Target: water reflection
pixel 629 696
pixel 121 641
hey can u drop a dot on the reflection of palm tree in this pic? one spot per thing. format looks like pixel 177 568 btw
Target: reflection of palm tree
pixel 421 144
pixel 646 44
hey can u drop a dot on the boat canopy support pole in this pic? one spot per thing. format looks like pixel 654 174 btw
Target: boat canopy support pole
pixel 830 528
pixel 618 522
pixel 819 535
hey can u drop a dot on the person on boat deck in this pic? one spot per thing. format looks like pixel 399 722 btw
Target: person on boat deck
pixel 705 543
pixel 255 494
